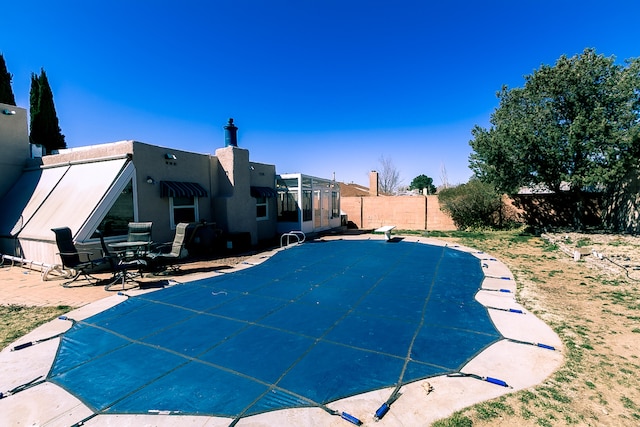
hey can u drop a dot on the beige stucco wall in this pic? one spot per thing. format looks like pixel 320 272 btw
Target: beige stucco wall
pixel 14 140
pixel 92 152
pixel 234 206
pixel 150 162
pixel 264 175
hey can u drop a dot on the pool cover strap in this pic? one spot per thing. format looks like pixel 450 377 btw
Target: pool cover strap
pixel 30 343
pixel 535 344
pixel 510 310
pixel 34 382
pixel 395 395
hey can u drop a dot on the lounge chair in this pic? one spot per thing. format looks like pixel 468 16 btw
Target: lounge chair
pixel 161 259
pixel 72 263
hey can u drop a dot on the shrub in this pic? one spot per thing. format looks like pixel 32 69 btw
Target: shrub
pixel 473 205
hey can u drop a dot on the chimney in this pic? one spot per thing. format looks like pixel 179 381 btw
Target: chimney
pixel 373 183
pixel 230 134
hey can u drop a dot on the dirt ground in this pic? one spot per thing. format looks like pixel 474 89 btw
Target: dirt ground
pixel 586 287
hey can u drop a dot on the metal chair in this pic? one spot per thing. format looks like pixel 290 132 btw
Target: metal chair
pixel 121 267
pixel 161 260
pixel 72 263
pixel 140 232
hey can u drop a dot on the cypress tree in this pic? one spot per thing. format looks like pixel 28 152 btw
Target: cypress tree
pixel 6 94
pixel 45 128
pixel 34 111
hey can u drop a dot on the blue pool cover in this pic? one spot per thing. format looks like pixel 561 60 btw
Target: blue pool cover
pixel 314 323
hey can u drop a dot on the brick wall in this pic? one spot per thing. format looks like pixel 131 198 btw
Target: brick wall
pixel 438 220
pixel 352 206
pixel 405 212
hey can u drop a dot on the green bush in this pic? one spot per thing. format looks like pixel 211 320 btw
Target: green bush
pixel 473 205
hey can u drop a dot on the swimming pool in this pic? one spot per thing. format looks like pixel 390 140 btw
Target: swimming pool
pixel 312 324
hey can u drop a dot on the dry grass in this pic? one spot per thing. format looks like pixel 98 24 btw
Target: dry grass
pixel 594 306
pixel 17 320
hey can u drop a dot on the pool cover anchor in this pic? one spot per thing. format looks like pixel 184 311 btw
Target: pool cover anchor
pixel 479 377
pixel 386 406
pixel 344 415
pixel 350 418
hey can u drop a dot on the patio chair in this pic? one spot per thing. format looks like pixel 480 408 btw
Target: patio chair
pixel 72 263
pixel 121 267
pixel 140 232
pixel 161 260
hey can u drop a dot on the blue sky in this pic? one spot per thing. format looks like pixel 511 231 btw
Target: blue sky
pixel 317 87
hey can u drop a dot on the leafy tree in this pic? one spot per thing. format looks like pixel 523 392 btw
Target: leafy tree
pixel 45 129
pixel 421 182
pixel 573 123
pixel 475 204
pixel 389 176
pixel 6 94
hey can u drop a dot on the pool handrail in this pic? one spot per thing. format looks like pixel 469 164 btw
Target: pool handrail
pixel 295 233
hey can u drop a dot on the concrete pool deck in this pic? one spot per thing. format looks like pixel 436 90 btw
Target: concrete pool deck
pixel 520 364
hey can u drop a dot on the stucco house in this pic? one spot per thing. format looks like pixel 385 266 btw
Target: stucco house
pixel 104 187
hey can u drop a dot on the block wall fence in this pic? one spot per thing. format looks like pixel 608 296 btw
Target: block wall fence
pixel 405 212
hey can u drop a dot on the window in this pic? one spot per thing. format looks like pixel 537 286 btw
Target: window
pixel 307 214
pixel 119 216
pixel 183 209
pixel 287 207
pixel 326 207
pixel 335 205
pixel 262 211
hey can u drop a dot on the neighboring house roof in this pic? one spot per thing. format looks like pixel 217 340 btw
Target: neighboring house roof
pixel 564 186
pixel 543 189
pixel 353 190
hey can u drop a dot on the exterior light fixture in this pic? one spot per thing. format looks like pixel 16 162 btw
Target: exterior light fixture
pixel 150 180
pixel 8 112
pixel 170 156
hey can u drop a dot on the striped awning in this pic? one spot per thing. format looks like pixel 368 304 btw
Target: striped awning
pixel 263 192
pixel 181 189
